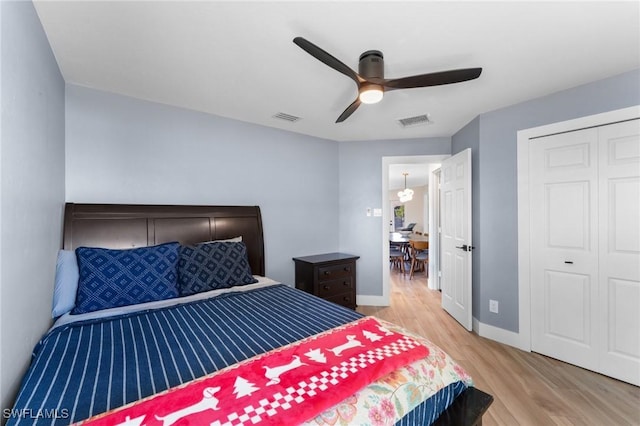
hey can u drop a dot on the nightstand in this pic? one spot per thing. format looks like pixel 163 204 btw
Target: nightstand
pixel 331 276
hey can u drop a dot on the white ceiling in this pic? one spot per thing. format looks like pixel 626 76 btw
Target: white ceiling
pixel 237 59
pixel 417 174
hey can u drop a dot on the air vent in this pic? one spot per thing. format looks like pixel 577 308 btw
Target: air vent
pixel 286 117
pixel 415 121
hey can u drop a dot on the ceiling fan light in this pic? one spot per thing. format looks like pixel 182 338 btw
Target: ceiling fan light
pixel 371 94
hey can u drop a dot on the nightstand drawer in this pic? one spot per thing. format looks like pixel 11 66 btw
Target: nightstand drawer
pixel 334 287
pixel 345 299
pixel 332 272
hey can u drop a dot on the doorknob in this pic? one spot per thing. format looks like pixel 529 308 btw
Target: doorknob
pixel 465 247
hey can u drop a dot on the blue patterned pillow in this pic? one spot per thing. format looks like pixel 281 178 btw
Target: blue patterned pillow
pixel 112 278
pixel 212 266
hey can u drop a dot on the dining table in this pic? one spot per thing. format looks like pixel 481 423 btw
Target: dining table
pixel 402 240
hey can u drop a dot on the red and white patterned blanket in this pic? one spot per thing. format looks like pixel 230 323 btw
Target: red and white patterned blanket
pixel 288 385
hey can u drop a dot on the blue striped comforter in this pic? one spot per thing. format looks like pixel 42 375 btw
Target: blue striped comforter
pixel 86 368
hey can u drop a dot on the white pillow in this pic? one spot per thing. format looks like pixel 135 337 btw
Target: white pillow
pixel 66 283
pixel 228 240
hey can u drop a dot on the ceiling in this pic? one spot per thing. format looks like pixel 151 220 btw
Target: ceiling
pixel 417 174
pixel 236 59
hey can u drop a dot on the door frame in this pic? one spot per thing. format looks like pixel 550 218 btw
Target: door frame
pixel 434 230
pixel 386 214
pixel 524 218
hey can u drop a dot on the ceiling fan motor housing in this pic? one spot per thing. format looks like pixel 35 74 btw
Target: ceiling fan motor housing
pixel 371 64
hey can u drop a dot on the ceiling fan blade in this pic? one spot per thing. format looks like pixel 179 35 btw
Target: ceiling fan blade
pixel 327 59
pixel 434 79
pixel 350 110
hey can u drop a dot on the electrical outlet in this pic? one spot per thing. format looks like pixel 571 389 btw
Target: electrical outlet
pixel 493 306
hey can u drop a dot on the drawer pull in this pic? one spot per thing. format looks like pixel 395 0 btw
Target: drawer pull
pixel 345 283
pixel 347 268
pixel 326 287
pixel 327 272
pixel 346 299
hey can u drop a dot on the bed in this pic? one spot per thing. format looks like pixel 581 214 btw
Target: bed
pixel 110 364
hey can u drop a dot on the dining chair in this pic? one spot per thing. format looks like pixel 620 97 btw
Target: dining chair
pixel 396 257
pixel 419 256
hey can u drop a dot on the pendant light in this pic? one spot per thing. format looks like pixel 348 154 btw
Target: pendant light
pixel 407 193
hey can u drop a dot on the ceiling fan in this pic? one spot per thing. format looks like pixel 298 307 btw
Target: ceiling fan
pixel 370 76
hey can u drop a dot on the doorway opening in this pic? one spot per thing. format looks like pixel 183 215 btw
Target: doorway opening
pixel 392 166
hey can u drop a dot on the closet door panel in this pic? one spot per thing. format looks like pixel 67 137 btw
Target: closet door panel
pixel 619 250
pixel 564 246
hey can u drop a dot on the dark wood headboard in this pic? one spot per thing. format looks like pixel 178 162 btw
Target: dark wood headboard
pixel 128 225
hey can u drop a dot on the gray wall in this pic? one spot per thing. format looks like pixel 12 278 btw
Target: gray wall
pixel 361 187
pixel 496 206
pixel 312 192
pixel 124 150
pixel 31 187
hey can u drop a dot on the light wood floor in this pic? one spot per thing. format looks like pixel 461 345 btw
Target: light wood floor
pixel 528 388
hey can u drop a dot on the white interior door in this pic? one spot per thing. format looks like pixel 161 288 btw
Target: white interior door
pixel 564 246
pixel 619 250
pixel 585 248
pixel 456 244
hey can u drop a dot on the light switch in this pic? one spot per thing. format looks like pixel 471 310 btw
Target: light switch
pixel 368 211
pixel 377 212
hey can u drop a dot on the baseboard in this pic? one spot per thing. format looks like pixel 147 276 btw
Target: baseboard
pixel 498 334
pixel 372 300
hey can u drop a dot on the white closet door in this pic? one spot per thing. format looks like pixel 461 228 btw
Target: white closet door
pixel 564 246
pixel 619 249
